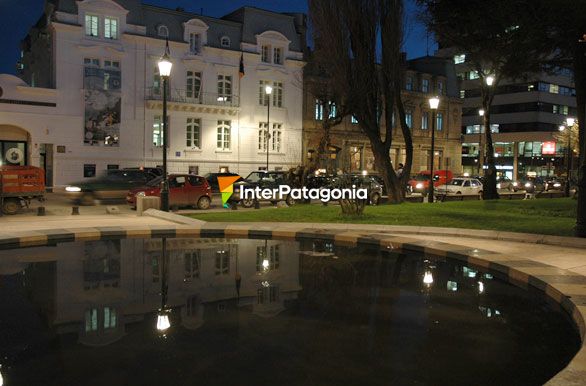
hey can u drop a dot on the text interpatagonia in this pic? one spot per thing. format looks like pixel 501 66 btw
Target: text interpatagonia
pixel 304 193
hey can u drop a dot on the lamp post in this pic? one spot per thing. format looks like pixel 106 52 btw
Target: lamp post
pixel 268 92
pixel 165 71
pixel 480 149
pixel 433 105
pixel 569 124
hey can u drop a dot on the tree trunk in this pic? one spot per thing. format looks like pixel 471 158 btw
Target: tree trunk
pixel 580 83
pixel 383 164
pixel 408 143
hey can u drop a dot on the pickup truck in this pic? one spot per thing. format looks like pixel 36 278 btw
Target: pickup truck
pixel 19 185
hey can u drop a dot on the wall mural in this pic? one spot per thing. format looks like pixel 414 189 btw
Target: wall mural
pixel 102 106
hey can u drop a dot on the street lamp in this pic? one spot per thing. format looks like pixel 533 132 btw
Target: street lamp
pixel 433 105
pixel 489 80
pixel 569 124
pixel 480 149
pixel 165 71
pixel 268 92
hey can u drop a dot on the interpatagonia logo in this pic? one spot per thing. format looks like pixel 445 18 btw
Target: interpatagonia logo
pixel 226 185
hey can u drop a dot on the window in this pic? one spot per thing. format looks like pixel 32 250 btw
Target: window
pixel 319 110
pixel 192 262
pixel 224 128
pixel 110 28
pixel 277 94
pixel 109 318
pixel 333 110
pixel 89 170
pixel 91 320
pixel 91 62
pixel 409 119
pixel 225 42
pixel 462 94
pixel 268 262
pixel 163 31
pixel 268 294
pixel 193 84
pixel 440 121
pixel 440 87
pixel 91 25
pixel 353 120
pixel 192 132
pixel 473 75
pixel 265 53
pixel 225 88
pixel 194 43
pixel 554 89
pixel 157 131
pixel 424 119
pixel 409 84
pixel 425 85
pixel 276 137
pixel 262 136
pixel 277 55
pixel 263 98
pixel 111 64
pixel 222 262
pixel 459 59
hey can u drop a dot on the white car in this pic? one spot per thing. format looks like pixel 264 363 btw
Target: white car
pixel 461 185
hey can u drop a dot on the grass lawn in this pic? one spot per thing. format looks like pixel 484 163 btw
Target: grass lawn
pixel 545 216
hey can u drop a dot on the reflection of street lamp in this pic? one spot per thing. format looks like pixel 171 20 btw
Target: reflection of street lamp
pixel 165 71
pixel 427 278
pixel 163 322
pixel 268 92
pixel 433 105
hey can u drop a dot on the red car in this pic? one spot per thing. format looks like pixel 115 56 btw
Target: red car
pixel 184 190
pixel 420 183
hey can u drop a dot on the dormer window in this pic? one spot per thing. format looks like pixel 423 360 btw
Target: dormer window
pixel 110 28
pixel 225 42
pixel 163 31
pixel 265 55
pixel 278 55
pixel 194 43
pixel 195 34
pixel 91 25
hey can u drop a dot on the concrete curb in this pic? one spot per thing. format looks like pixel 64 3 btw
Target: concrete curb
pixel 172 217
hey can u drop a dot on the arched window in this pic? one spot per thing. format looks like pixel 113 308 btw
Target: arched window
pixel 163 31
pixel 225 41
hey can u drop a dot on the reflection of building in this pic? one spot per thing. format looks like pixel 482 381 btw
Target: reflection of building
pixel 90 97
pixel 349 148
pixel 524 116
pixel 118 282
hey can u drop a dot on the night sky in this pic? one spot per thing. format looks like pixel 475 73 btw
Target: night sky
pixel 17 16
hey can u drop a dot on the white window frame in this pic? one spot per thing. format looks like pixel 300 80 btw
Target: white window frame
pixel 195 40
pixel 225 87
pixel 92 28
pixel 424 120
pixel 265 53
pixel 193 132
pixel 278 55
pixel 225 42
pixel 157 131
pixel 193 84
pixel 263 97
pixel 163 31
pixel 276 137
pixel 262 136
pixel 277 94
pixel 112 28
pixel 224 135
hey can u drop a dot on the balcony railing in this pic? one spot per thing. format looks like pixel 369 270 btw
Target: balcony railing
pixel 183 96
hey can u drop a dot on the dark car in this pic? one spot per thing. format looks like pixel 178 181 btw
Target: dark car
pixel 554 183
pixel 263 180
pixel 184 190
pixel 372 184
pixel 157 172
pixel 505 183
pixel 212 179
pixel 112 185
pixel 531 184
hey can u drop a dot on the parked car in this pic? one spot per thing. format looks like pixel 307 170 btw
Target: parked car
pixel 462 185
pixel 212 179
pixel 157 172
pixel 505 183
pixel 372 184
pixel 112 185
pixel 420 183
pixel 531 184
pixel 264 180
pixel 184 190
pixel 554 183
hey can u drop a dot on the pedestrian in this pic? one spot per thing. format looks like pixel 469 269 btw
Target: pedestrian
pixel 399 170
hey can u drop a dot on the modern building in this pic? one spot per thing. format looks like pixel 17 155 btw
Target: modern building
pixel 525 116
pixel 90 96
pixel 350 150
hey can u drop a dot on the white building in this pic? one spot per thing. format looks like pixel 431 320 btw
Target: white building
pixel 91 97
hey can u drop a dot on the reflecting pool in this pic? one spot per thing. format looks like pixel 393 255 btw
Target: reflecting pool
pixel 260 312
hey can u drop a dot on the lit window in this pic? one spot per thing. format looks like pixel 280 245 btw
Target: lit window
pixel 263 97
pixel 424 120
pixel 276 137
pixel 109 318
pixel 473 75
pixel 225 42
pixel 91 25
pixel 462 94
pixel 554 89
pixel 262 136
pixel 353 120
pixel 265 54
pixel 225 88
pixel 425 85
pixel 110 28
pixel 319 110
pixel 278 55
pixel 409 119
pixel 157 132
pixel 278 94
pixel 192 132
pixel 440 121
pixel 333 110
pixel 458 59
pixel 223 135
pixel 91 320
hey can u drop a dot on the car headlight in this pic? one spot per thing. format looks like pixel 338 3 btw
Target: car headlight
pixel 73 189
pixel 528 185
pixel 515 184
pixel 419 186
pixel 557 185
pixel 140 194
pixel 498 186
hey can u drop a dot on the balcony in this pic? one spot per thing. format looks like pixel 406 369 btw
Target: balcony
pixel 181 100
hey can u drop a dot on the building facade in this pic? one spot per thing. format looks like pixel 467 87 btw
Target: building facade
pixel 90 96
pixel 349 149
pixel 525 117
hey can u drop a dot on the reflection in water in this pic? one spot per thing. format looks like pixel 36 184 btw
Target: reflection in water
pixel 306 313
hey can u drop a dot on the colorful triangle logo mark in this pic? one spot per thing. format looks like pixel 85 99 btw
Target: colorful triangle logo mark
pixel 226 185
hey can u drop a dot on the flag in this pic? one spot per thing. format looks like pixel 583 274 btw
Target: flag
pixel 241 70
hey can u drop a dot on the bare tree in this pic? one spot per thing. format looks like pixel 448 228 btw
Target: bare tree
pixel 368 81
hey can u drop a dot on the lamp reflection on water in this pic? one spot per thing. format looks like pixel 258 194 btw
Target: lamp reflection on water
pixel 163 322
pixel 427 278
